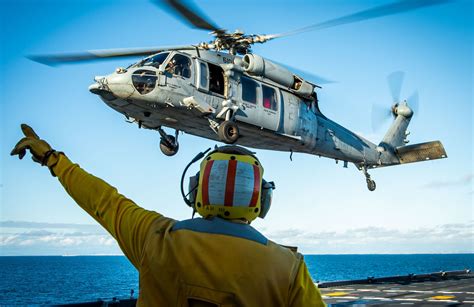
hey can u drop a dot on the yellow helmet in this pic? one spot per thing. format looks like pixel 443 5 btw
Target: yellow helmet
pixel 230 185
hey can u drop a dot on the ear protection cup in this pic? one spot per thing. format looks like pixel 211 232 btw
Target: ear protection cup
pixel 193 188
pixel 266 198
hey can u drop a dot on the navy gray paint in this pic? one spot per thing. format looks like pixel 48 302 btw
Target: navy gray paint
pixel 297 125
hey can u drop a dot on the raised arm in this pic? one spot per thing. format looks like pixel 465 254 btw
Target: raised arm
pixel 123 219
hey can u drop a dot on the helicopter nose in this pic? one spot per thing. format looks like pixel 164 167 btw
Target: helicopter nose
pixel 95 88
pixel 119 85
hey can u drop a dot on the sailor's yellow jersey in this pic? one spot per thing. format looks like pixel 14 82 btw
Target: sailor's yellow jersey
pixel 197 262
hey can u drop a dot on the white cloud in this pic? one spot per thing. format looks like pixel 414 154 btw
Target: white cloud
pixel 90 228
pixel 30 238
pixel 447 238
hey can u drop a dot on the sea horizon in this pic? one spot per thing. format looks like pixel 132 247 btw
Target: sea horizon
pixel 305 254
pixel 60 279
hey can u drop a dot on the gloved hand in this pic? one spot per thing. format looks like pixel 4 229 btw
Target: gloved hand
pixel 40 150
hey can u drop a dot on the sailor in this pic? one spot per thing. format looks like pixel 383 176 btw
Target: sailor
pixel 216 260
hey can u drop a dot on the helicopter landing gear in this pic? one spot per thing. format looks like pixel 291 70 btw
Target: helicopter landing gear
pixel 370 183
pixel 168 144
pixel 228 132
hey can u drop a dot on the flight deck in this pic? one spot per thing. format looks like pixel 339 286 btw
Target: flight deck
pixel 455 288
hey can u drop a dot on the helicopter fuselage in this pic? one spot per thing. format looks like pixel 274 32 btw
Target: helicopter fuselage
pixel 248 100
pixel 200 91
pixel 194 101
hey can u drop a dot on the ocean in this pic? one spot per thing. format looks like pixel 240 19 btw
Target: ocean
pixel 56 279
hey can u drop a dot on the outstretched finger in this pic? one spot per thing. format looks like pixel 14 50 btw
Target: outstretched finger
pixel 20 147
pixel 28 131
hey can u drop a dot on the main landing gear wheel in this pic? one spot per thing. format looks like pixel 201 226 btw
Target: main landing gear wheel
pixel 228 132
pixel 168 144
pixel 371 185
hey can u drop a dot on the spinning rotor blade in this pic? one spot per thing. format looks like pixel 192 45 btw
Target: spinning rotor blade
pixel 413 102
pixel 310 77
pixel 91 55
pixel 192 15
pixel 395 81
pixel 379 116
pixel 376 12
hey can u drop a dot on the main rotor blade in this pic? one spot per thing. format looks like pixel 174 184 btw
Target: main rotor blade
pixel 308 76
pixel 91 55
pixel 376 12
pixel 192 15
pixel 395 81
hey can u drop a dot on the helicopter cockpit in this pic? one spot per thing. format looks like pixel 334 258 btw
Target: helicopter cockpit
pixel 179 65
pixel 154 61
pixel 144 80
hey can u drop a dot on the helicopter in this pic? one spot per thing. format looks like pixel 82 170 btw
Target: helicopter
pixel 221 90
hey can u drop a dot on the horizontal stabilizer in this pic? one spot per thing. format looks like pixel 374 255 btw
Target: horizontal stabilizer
pixel 421 152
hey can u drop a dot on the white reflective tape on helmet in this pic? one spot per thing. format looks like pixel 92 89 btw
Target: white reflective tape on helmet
pixel 217 182
pixel 243 186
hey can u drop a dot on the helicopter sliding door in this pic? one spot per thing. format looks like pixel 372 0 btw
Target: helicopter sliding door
pixel 261 104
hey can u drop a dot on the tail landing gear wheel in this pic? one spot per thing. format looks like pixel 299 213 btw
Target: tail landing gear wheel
pixel 169 146
pixel 371 185
pixel 228 132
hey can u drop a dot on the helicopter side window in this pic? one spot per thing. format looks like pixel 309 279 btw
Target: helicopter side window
pixel 155 60
pixel 249 90
pixel 179 65
pixel 203 75
pixel 216 79
pixel 269 98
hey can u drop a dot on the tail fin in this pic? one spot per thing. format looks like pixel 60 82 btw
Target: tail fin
pixel 397 133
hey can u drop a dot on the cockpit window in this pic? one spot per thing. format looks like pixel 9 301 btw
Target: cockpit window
pixel 144 80
pixel 155 60
pixel 179 65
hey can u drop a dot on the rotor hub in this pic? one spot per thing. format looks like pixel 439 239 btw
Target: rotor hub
pixel 402 109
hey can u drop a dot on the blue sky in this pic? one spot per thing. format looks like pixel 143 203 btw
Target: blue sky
pixel 318 205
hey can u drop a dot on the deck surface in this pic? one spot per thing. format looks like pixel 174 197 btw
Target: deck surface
pixel 430 289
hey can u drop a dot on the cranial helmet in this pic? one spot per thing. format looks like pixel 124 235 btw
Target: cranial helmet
pixel 229 184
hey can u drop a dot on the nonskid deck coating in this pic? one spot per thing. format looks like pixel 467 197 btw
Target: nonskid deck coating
pixel 448 289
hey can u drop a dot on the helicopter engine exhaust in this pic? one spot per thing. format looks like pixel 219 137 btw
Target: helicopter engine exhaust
pixel 258 66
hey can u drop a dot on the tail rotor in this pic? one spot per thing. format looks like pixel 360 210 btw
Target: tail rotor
pixel 381 114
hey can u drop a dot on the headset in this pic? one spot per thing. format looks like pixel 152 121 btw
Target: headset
pixel 266 189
